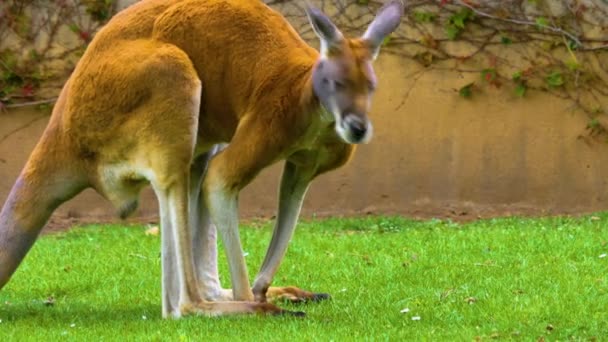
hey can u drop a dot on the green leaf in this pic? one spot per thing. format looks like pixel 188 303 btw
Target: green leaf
pixel 594 123
pixel 386 40
pixel 516 76
pixel 44 107
pixel 456 22
pixel 506 40
pixel 466 91
pixel 9 89
pixel 541 22
pixel 452 32
pixel 460 18
pixel 555 79
pixel 362 2
pixel 34 55
pixel 424 17
pixel 74 28
pixel 9 59
pixel 520 89
pixel 572 45
pixel 573 64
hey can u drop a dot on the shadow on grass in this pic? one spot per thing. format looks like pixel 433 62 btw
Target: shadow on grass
pixel 36 313
pixel 83 313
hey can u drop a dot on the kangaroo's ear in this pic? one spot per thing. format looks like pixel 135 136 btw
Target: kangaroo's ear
pixel 327 32
pixel 387 20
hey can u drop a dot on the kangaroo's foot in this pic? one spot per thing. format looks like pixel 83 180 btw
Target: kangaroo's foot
pixel 205 308
pixel 291 294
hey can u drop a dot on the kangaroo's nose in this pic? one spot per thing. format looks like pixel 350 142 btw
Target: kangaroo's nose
pixel 356 126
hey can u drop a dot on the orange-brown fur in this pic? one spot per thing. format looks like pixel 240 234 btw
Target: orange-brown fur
pixel 127 109
pixel 105 105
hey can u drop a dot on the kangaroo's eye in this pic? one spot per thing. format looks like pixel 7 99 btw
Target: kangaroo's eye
pixel 339 85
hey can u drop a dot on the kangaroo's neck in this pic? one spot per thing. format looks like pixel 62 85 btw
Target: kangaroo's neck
pixel 308 101
pixel 291 83
pixel 317 121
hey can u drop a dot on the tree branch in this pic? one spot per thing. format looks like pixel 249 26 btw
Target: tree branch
pixel 521 22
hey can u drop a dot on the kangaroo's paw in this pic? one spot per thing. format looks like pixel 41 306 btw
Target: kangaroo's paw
pixel 293 294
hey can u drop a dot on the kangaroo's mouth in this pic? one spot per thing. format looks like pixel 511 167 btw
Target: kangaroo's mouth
pixel 354 129
pixel 351 128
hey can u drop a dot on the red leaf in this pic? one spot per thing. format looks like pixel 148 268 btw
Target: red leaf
pixel 84 35
pixel 27 90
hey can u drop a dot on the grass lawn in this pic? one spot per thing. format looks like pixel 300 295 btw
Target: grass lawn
pixel 512 278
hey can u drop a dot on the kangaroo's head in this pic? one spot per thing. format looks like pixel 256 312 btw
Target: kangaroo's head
pixel 343 78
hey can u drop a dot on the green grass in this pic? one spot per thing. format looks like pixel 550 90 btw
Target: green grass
pixel 493 279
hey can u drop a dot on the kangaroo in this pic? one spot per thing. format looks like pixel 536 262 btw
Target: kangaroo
pixel 195 98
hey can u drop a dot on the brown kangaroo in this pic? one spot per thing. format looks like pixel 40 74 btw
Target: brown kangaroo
pixel 156 96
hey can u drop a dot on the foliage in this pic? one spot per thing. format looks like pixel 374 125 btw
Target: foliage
pixel 513 278
pixel 467 90
pixel 457 22
pixel 559 47
pixel 32 35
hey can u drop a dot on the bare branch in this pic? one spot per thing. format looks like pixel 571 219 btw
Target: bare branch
pixel 31 103
pixel 522 22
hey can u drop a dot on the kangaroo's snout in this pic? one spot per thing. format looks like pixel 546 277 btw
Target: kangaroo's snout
pixel 357 130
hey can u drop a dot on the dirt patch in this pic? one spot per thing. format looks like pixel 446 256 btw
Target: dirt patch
pixel 451 212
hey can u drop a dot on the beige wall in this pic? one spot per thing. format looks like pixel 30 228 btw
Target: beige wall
pixel 433 154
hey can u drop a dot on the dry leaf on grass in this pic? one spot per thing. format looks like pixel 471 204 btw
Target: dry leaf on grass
pixel 50 301
pixel 471 300
pixel 153 231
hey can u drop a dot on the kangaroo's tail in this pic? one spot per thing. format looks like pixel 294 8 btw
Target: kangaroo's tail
pixel 51 176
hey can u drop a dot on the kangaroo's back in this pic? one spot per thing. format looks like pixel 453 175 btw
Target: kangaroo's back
pixel 241 48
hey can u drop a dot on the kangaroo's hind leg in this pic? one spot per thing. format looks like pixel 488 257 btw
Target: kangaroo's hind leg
pixel 204 233
pixel 294 184
pixel 165 153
